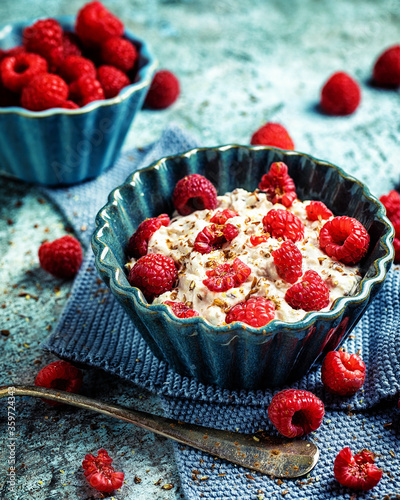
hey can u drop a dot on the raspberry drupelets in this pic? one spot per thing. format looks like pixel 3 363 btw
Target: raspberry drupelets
pixel 100 474
pixel 342 373
pixel 358 472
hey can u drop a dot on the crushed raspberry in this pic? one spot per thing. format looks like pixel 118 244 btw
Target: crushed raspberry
pixel 100 474
pixel 153 274
pixel 256 240
pixel 85 90
pixel 283 224
pixel 214 236
pixel 278 185
pixel 227 276
pixel 358 472
pixel 164 90
pixel 391 202
pixel 288 261
pixel 73 67
pixel 340 95
pixel 194 192
pixel 138 242
pixel 256 311
pixel 342 373
pixel 310 294
pixel 295 412
pixel 221 216
pixel 345 239
pixel 45 38
pixel 317 210
pixel 44 92
pixel 387 68
pixel 71 44
pixel 62 257
pixel 59 375
pixel 112 80
pixel 17 71
pixel 272 134
pixel 120 53
pixel 181 310
pixel 95 24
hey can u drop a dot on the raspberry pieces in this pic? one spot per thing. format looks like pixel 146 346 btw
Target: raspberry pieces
pixel 221 216
pixel 317 210
pixel 288 261
pixel 214 236
pixel 278 185
pixel 194 192
pixel 138 243
pixel 181 310
pixel 358 472
pixel 153 274
pixel 283 224
pixel 227 276
pixel 62 258
pixel 342 373
pixel 100 474
pixel 310 294
pixel 59 375
pixel 256 311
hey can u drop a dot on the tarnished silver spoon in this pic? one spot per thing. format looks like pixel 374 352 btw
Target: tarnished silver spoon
pixel 278 457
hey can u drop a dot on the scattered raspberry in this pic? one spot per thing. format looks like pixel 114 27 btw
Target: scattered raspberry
pixel 71 44
pixel 317 210
pixel 283 224
pixel 138 243
pixel 214 236
pixel 340 95
pixel 17 71
pixel 95 24
pixel 181 310
pixel 256 311
pixel 278 185
pixel 120 53
pixel 194 192
pixel 295 412
pixel 100 474
pixel 45 38
pixel 153 274
pixel 342 373
pixel 387 68
pixel 310 294
pixel 344 239
pixel 44 92
pixel 164 90
pixel 112 80
pixel 62 257
pixel 258 239
pixel 358 472
pixel 272 134
pixel 73 67
pixel 391 202
pixel 59 375
pixel 221 216
pixel 288 261
pixel 227 276
pixel 85 90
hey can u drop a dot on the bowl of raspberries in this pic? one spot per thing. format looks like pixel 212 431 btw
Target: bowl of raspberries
pixel 241 266
pixel 69 91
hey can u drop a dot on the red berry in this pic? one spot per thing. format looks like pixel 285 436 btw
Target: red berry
pixel 358 472
pixel 120 53
pixel 69 105
pixel 100 474
pixel 17 71
pixel 342 373
pixel 288 261
pixel 95 24
pixel 283 224
pixel 256 311
pixel 344 239
pixel 221 216
pixel 59 375
pixel 11 52
pixel 71 44
pixel 214 236
pixel 272 134
pixel 295 412
pixel 85 90
pixel 391 202
pixel 164 90
pixel 278 185
pixel 138 243
pixel 340 95
pixel 112 80
pixel 387 68
pixel 44 92
pixel 227 276
pixel 317 210
pixel 396 245
pixel 258 239
pixel 181 310
pixel 153 274
pixel 194 192
pixel 45 38
pixel 62 257
pixel 310 294
pixel 73 67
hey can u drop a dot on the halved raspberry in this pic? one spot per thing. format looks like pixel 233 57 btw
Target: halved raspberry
pixel 45 38
pixel 71 44
pixel 227 276
pixel 295 412
pixel 17 71
pixel 62 257
pixel 44 92
pixel 222 216
pixel 214 236
pixel 317 210
pixel 256 311
pixel 85 90
pixel 100 474
pixel 120 53
pixel 278 185
pixel 181 310
pixel 153 274
pixel 59 375
pixel 391 202
pixel 272 134
pixel 112 80
pixel 194 192
pixel 164 90
pixel 258 239
pixel 73 67
pixel 288 261
pixel 310 294
pixel 95 24
pixel 283 224
pixel 358 472
pixel 138 242
pixel 387 68
pixel 345 239
pixel 342 373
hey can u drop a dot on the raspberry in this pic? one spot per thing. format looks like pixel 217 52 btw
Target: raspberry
pixel 138 243
pixel 344 239
pixel 100 474
pixel 227 276
pixel 295 412
pixel 256 311
pixel 342 373
pixel 164 90
pixel 95 24
pixel 278 185
pixel 120 53
pixel 288 261
pixel 11 52
pixel 391 202
pixel 310 294
pixel 214 236
pixel 396 245
pixel 194 192
pixel 181 310
pixel 283 224
pixel 387 68
pixel 44 92
pixel 153 274
pixel 59 375
pixel 112 80
pixel 222 216
pixel 62 257
pixel 258 239
pixel 85 90
pixel 317 210
pixel 73 67
pixel 71 44
pixel 68 105
pixel 340 95
pixel 45 38
pixel 272 134
pixel 358 472
pixel 17 71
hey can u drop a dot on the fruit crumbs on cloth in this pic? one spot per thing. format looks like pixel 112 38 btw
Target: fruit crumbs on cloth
pixel 95 330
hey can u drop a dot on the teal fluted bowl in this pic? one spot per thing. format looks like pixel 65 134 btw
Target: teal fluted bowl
pixel 236 355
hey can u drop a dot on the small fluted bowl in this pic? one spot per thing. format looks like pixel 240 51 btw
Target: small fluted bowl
pixel 66 146
pixel 237 355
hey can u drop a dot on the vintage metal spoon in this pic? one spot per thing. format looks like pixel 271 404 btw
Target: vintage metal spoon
pixel 278 457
